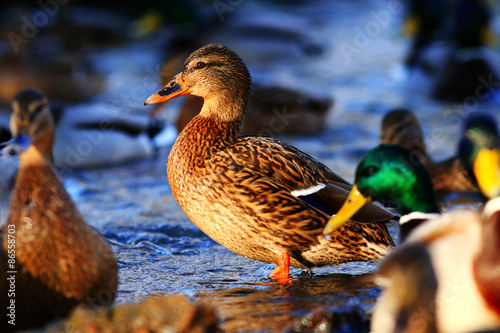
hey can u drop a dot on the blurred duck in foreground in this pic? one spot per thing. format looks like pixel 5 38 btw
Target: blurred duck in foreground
pixel 451 43
pixel 473 169
pixel 256 195
pixel 444 278
pixel 60 261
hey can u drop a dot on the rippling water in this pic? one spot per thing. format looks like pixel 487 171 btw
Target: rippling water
pixel 160 251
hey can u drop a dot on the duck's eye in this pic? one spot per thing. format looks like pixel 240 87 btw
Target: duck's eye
pixel 371 170
pixel 199 65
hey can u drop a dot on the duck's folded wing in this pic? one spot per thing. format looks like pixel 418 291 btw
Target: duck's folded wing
pixel 303 176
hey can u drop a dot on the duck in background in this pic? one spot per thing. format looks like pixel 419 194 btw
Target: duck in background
pixel 67 77
pixel 469 69
pixel 451 45
pixel 469 171
pixel 444 278
pixel 256 195
pixel 97 135
pixel 425 21
pixel 60 261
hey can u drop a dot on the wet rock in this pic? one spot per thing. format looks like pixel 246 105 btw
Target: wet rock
pixel 159 314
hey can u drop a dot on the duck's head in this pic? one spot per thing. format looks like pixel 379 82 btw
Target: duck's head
pixel 219 76
pixel 401 127
pixel 31 123
pixel 478 151
pixel 388 172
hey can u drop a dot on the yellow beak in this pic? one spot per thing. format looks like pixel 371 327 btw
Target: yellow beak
pixel 487 171
pixel 354 202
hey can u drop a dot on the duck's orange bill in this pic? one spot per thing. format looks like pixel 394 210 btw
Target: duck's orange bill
pixel 174 88
pixel 354 202
pixel 487 171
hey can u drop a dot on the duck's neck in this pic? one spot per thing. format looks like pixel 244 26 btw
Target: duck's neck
pixel 233 106
pixel 39 152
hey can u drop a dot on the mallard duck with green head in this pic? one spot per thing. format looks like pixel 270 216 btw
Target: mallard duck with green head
pixel 390 172
pixel 256 195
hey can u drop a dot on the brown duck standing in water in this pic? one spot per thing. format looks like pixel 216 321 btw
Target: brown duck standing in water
pixel 256 195
pixel 50 259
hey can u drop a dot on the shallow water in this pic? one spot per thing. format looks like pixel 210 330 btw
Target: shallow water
pixel 160 251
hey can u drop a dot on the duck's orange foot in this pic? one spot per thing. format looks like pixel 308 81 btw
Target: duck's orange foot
pixel 280 272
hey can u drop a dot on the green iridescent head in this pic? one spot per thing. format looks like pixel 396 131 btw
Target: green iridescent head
pixel 388 172
pixel 393 172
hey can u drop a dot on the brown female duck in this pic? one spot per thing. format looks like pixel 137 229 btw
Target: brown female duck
pixel 256 195
pixel 51 260
pixel 459 173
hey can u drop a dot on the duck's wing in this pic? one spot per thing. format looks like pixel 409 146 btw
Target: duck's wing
pixel 303 176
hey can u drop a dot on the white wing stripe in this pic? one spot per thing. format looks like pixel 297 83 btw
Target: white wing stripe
pixel 308 191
